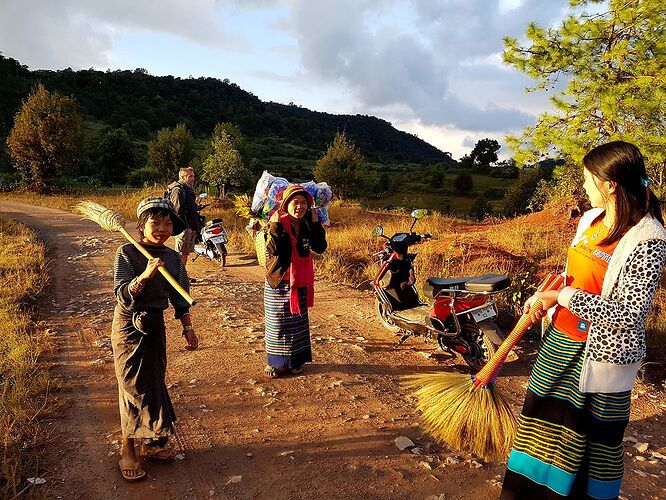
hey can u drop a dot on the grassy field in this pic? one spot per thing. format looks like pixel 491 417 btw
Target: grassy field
pixel 24 384
pixel 418 194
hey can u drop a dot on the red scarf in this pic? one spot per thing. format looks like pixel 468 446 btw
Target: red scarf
pixel 301 269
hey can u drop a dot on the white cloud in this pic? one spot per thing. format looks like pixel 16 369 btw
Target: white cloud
pixel 444 67
pixel 79 33
pixel 431 67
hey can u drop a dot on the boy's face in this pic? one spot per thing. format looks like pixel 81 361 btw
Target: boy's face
pixel 158 229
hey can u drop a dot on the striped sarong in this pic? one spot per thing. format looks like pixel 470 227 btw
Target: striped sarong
pixel 568 444
pixel 287 335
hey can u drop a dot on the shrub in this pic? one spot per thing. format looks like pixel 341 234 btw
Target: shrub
pixel 9 181
pixel 144 176
pixel 463 182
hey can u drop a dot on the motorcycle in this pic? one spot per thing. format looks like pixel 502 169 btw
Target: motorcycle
pixel 461 315
pixel 211 240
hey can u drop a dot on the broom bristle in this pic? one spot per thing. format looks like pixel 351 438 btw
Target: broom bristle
pixel 110 220
pixel 477 420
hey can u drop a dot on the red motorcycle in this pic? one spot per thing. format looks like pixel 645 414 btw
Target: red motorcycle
pixel 461 315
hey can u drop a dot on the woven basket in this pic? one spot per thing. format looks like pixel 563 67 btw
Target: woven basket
pixel 260 246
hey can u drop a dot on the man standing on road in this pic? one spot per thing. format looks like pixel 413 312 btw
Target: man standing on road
pixel 181 194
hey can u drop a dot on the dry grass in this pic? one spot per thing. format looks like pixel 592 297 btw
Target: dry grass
pixel 525 248
pixel 23 383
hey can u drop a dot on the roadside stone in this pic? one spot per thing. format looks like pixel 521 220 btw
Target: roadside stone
pixel 403 443
pixel 426 465
pixel 452 460
pixel 641 447
pixel 235 480
pixel 631 439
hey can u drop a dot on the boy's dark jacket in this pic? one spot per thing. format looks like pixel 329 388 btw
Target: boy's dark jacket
pixel 311 236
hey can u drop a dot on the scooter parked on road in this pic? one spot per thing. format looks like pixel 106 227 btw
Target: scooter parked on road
pixel 212 238
pixel 461 315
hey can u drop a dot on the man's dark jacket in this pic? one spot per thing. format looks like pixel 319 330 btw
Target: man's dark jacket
pixel 184 199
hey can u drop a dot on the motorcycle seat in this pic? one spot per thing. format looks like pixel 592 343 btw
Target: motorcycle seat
pixel 213 221
pixel 488 283
pixel 485 283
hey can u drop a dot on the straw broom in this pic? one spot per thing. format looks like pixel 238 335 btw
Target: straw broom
pixel 470 413
pixel 113 221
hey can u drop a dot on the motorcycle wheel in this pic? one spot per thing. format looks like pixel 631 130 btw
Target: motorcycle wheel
pixel 385 320
pixel 222 252
pixel 481 348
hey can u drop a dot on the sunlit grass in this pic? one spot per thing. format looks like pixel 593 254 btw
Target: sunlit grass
pixel 23 383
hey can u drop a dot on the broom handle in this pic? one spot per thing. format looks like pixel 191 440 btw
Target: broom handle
pixel 488 372
pixel 161 269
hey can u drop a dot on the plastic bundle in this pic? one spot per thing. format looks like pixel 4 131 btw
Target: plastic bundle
pixel 269 189
pixel 278 185
pixel 323 198
pixel 261 192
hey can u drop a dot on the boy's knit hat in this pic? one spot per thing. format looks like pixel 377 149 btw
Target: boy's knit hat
pixel 162 204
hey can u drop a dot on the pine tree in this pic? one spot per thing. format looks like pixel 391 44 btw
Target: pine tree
pixel 343 167
pixel 224 165
pixel 614 63
pixel 171 150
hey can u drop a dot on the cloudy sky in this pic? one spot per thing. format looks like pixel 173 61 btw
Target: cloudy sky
pixel 430 67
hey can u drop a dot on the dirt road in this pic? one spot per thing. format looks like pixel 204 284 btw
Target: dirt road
pixel 329 433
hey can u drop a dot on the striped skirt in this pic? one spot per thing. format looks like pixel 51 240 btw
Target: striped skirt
pixel 287 335
pixel 568 444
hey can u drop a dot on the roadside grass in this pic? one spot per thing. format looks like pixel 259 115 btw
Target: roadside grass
pixel 24 384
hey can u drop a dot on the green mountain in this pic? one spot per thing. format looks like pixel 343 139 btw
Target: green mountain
pixel 282 137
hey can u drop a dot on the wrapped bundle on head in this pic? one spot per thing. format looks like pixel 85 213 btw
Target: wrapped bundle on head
pixel 261 192
pixel 278 185
pixel 323 199
pixel 311 187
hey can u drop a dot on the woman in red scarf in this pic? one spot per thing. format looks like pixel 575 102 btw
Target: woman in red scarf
pixel 294 233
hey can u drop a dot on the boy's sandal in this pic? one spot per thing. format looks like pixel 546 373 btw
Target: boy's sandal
pixel 132 474
pixel 271 372
pixel 155 453
pixel 296 371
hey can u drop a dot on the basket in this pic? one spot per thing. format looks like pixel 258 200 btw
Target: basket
pixel 260 246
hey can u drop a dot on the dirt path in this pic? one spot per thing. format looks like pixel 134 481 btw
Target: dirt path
pixel 328 434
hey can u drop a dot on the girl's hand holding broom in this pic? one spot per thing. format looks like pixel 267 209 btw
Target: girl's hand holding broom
pixel 548 299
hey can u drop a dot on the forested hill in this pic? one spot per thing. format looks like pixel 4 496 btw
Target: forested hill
pixel 142 104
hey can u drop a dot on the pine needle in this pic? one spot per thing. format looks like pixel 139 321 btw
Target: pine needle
pixel 477 420
pixel 108 219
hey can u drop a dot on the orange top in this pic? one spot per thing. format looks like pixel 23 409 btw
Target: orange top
pixel 587 263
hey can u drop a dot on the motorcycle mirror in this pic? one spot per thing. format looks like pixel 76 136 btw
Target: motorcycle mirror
pixel 378 231
pixel 203 195
pixel 419 212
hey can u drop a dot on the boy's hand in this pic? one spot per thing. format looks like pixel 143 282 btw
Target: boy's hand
pixel 151 269
pixel 315 215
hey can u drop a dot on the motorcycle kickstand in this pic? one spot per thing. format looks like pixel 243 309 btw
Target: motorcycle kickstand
pixel 402 340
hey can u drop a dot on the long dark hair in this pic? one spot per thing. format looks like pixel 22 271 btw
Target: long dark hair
pixel 622 163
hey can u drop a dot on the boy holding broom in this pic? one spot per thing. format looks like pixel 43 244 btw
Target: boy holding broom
pixel 139 335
